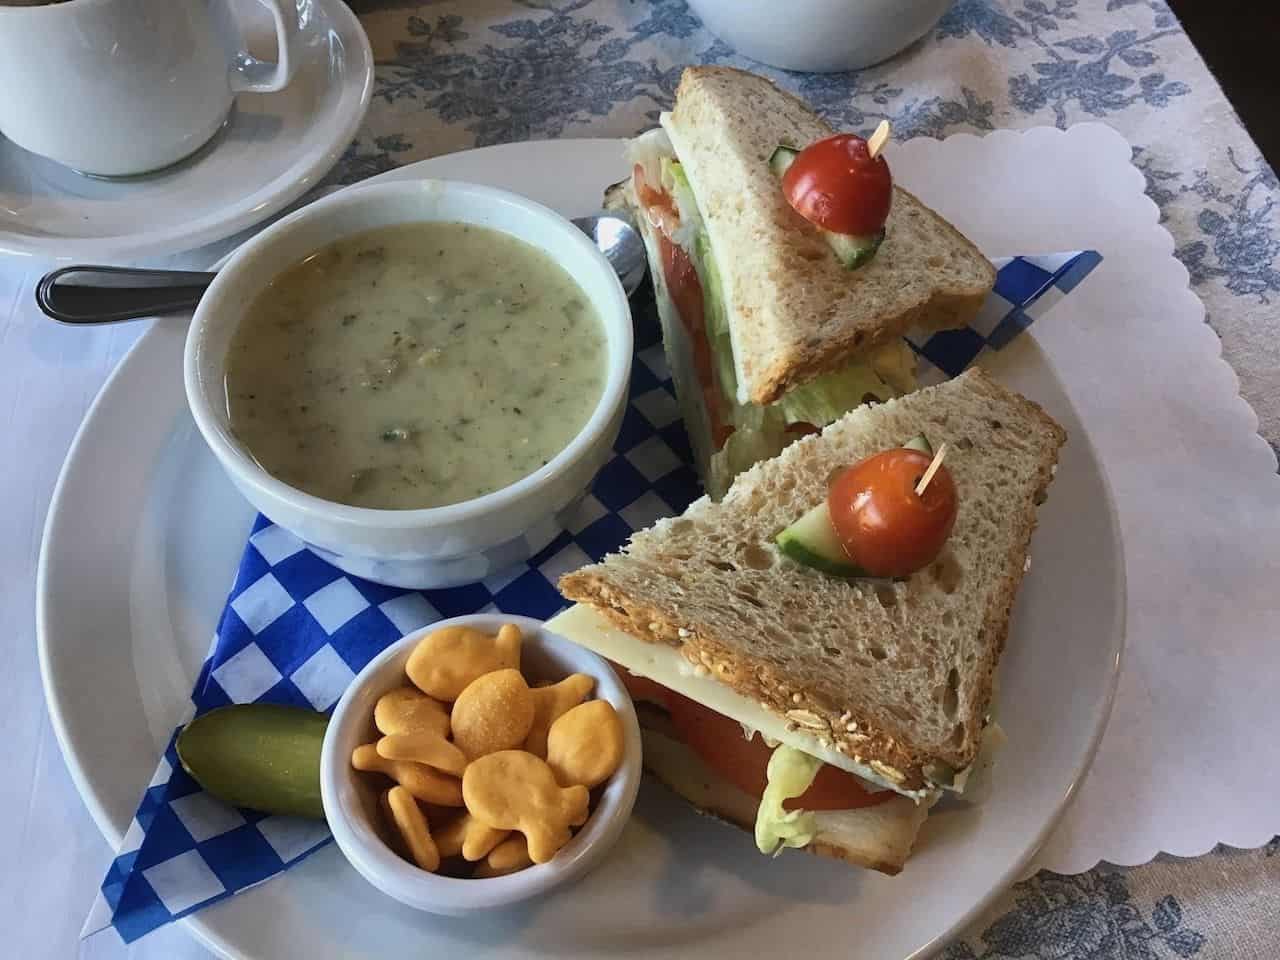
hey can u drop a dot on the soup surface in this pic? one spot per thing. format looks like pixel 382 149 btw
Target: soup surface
pixel 415 366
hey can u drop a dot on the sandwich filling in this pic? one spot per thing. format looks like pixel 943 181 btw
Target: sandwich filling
pixel 800 787
pixel 733 435
pixel 790 785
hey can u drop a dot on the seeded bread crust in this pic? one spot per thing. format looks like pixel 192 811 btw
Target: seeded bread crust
pixel 795 311
pixel 896 676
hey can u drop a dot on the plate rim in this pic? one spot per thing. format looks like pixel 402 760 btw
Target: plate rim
pixel 294 182
pixel 200 924
pixel 53 702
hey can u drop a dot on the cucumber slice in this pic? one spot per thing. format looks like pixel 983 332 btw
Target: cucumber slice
pixel 851 250
pixel 258 755
pixel 782 158
pixel 811 541
pixel 921 443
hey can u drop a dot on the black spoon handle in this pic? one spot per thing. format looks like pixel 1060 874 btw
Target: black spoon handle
pixel 91 295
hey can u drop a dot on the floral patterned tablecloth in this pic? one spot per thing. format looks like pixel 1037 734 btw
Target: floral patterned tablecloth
pixel 454 74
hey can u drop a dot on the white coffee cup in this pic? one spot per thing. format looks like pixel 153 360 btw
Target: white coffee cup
pixel 121 87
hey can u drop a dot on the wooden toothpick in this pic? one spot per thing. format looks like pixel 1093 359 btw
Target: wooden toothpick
pixel 878 139
pixel 933 468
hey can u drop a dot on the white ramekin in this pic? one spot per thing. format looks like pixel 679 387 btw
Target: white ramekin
pixel 441 546
pixel 351 797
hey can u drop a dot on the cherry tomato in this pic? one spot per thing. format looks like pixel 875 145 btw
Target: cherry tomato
pixel 885 527
pixel 836 184
pixel 719 742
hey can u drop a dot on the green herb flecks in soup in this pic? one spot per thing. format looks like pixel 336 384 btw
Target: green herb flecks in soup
pixel 415 366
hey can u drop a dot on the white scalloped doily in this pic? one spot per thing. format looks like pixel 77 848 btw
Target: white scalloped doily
pixel 1191 757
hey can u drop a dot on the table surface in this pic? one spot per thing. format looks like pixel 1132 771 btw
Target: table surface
pixel 458 73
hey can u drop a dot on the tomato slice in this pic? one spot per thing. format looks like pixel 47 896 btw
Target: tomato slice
pixel 642 688
pixel 885 527
pixel 686 293
pixel 837 185
pixel 719 742
pixel 659 206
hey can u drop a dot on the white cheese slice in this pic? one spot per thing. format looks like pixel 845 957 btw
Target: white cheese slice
pixel 663 664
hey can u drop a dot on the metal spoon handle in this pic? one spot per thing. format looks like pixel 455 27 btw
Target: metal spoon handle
pixel 93 295
pixel 84 295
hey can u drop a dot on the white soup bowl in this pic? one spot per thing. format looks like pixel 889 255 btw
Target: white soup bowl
pixel 439 546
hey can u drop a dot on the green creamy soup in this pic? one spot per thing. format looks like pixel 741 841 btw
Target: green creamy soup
pixel 415 366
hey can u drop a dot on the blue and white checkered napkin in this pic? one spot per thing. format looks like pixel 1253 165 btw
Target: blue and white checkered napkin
pixel 296 630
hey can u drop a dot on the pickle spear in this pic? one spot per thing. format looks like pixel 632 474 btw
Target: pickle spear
pixel 258 755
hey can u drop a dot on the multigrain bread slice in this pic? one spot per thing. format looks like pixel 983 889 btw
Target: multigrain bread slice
pixel 794 311
pixel 897 676
pixel 878 837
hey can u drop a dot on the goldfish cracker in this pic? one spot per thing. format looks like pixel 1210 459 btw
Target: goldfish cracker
pixel 585 745
pixel 494 713
pixel 549 702
pixel 507 857
pixel 408 710
pixel 469 837
pixel 514 790
pixel 424 783
pixel 446 661
pixel 412 826
pixel 426 747
pixel 394 839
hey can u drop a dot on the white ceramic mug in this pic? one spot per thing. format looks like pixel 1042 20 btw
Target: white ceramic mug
pixel 122 87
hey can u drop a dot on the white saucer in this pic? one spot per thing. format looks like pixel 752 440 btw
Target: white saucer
pixel 273 148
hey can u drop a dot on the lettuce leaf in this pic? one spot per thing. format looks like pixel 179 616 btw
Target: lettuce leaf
pixel 832 395
pixel 790 773
pixel 895 364
pixel 759 433
pixel 675 182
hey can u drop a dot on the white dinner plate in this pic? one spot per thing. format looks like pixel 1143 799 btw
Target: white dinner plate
pixel 274 147
pixel 142 542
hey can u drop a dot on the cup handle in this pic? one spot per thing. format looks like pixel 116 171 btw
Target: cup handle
pixel 251 75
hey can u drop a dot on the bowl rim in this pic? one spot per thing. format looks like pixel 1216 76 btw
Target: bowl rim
pixel 396 877
pixel 615 316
